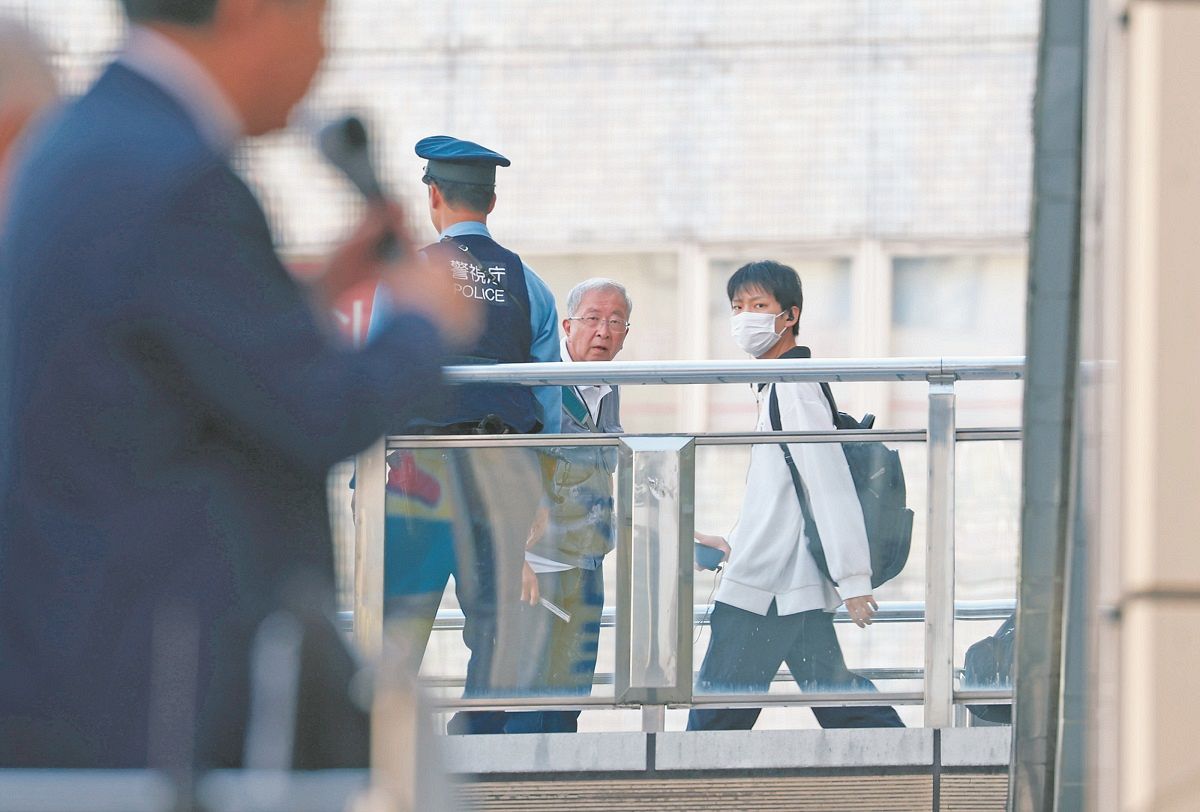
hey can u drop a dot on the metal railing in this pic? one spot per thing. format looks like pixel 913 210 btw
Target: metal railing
pixel 655 513
pixel 660 548
pixel 889 612
pixel 846 370
pixel 453 620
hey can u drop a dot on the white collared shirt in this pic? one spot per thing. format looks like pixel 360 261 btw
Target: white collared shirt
pixel 591 395
pixel 156 58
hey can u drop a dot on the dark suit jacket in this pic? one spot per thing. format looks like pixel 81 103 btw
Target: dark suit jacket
pixel 169 410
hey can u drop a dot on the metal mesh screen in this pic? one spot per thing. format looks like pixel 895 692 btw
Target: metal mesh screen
pixel 660 120
pixel 881 146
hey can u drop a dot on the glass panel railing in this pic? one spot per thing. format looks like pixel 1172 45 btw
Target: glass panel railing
pixel 494 575
pixel 987 529
pixel 545 510
pixel 506 502
pixel 760 623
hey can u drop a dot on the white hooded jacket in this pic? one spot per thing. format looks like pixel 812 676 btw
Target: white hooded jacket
pixel 769 558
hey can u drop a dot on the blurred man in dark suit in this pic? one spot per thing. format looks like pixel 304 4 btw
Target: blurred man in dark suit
pixel 169 406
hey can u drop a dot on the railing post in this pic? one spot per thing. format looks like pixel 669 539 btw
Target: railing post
pixel 654 718
pixel 939 557
pixel 655 519
pixel 369 502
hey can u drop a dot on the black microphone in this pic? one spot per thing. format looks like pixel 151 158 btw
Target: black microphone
pixel 346 145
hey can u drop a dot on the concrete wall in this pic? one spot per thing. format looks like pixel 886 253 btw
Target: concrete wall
pixel 1138 437
pixel 1160 558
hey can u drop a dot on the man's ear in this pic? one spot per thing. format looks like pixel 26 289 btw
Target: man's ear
pixel 491 205
pixel 12 124
pixel 566 326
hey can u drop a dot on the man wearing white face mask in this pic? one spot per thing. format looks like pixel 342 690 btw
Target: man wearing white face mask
pixel 773 604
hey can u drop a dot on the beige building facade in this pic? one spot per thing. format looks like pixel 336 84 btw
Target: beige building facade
pixel 1141 293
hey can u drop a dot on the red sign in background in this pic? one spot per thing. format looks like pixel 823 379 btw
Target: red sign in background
pixel 352 312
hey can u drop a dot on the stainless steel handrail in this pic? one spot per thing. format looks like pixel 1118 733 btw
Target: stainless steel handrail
pixel 889 612
pixel 399 441
pixel 781 676
pixel 22 790
pixel 748 371
pixel 699 700
pixel 809 700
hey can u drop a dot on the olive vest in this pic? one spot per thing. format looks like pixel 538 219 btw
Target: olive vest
pixel 579 486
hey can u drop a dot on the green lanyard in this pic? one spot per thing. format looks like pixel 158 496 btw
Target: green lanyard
pixel 573 403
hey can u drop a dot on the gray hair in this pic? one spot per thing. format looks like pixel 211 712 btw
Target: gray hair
pixel 575 297
pixel 25 74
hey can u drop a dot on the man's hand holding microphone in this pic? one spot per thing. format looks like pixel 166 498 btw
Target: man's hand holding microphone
pixel 380 248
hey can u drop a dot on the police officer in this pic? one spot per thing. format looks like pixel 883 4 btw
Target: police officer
pixel 520 312
pixel 483 488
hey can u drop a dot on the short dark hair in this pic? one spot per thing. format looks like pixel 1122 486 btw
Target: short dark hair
pixel 184 12
pixel 775 278
pixel 464 195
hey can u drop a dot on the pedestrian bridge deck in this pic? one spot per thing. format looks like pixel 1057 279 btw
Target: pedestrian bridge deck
pixel 882 769
pixel 878 770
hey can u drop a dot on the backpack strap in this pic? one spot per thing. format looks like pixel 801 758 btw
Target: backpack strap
pixel 844 421
pixel 810 524
pixel 805 352
pixel 833 409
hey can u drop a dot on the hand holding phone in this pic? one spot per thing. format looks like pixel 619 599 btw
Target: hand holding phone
pixel 710 551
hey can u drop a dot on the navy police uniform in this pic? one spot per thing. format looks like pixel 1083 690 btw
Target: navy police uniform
pixel 483 547
pixel 483 270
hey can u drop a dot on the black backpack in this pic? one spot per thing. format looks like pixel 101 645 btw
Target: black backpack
pixel 879 479
pixel 988 664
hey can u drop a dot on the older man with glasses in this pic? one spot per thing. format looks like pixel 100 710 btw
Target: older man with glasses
pixel 563 583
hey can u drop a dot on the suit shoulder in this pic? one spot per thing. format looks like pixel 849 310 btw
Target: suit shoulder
pixel 123 154
pixel 107 175
pixel 123 141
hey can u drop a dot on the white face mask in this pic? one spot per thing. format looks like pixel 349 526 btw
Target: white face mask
pixel 755 332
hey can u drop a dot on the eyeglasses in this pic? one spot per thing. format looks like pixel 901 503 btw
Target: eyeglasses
pixel 594 322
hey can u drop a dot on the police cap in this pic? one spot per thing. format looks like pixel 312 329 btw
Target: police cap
pixel 457 161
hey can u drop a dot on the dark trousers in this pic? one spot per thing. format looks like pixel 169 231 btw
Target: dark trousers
pixel 561 655
pixel 745 651
pixel 483 572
